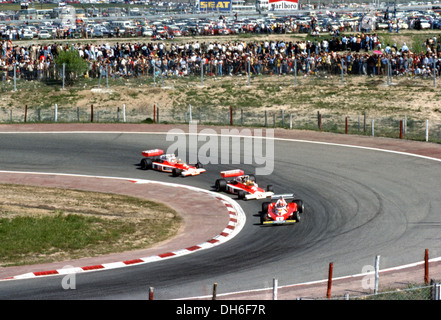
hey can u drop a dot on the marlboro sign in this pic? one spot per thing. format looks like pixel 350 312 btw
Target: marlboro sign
pixel 284 5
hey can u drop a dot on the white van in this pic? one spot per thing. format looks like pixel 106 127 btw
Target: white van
pixel 123 25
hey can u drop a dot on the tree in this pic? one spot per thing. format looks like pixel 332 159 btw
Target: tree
pixel 74 64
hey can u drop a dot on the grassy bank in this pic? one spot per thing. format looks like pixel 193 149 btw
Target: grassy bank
pixel 40 225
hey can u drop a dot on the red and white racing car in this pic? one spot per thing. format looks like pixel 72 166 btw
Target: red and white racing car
pixel 244 186
pixel 156 159
pixel 281 211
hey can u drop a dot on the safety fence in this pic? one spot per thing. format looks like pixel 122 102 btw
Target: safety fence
pixel 400 126
pixel 417 281
pixel 430 291
pixel 424 292
pixel 40 71
pixel 367 289
pixel 357 124
pixel 160 70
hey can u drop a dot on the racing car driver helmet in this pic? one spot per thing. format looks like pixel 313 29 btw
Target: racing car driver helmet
pixel 281 203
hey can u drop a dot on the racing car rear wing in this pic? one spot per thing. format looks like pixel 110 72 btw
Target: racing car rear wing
pixel 152 152
pixel 232 173
pixel 284 196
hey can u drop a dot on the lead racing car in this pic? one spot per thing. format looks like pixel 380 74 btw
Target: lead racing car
pixel 156 159
pixel 281 211
pixel 244 186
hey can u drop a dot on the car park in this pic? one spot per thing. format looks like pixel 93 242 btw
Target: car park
pixel 327 20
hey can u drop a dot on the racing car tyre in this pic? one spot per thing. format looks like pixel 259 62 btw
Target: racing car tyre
pixel 263 218
pixel 297 216
pixel 146 164
pixel 199 165
pixel 269 188
pixel 241 194
pixel 265 207
pixel 176 172
pixel 221 185
pixel 300 205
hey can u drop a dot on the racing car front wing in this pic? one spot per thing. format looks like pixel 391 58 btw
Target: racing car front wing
pixel 192 172
pixel 279 222
pixel 259 195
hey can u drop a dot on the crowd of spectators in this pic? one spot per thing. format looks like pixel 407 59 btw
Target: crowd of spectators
pixel 361 54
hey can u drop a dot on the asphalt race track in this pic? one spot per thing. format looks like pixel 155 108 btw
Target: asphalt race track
pixel 359 203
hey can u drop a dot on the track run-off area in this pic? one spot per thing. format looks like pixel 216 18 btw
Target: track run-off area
pixel 364 197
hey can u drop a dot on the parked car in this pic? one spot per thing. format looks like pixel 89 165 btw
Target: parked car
pixel 97 33
pixel 33 29
pixel 174 31
pixel 146 32
pixel 44 34
pixel 425 24
pixel 27 34
pixel 107 32
pixel 381 25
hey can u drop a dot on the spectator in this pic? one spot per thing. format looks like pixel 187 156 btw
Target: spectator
pixel 404 48
pixel 222 57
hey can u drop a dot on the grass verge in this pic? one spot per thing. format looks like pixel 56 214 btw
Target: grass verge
pixel 39 225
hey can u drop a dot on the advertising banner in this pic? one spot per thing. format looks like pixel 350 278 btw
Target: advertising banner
pixel 215 5
pixel 283 5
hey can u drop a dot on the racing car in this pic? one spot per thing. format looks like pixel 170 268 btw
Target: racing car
pixel 281 211
pixel 156 159
pixel 244 186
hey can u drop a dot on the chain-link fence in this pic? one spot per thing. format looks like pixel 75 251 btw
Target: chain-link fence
pixel 412 292
pixel 357 124
pixel 246 115
pixel 160 68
